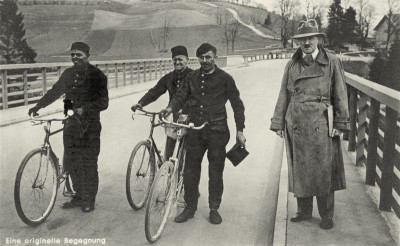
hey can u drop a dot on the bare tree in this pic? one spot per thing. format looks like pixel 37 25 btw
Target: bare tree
pixel 393 8
pixel 219 16
pixel 166 30
pixel 366 13
pixel 287 10
pixel 231 31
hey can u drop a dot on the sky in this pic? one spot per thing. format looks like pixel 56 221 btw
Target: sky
pixel 381 6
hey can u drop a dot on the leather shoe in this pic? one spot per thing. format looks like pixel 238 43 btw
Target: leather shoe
pixel 87 208
pixel 215 218
pixel 75 202
pixel 184 216
pixel 326 223
pixel 300 217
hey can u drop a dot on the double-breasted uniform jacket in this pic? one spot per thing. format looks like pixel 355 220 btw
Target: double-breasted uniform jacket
pixel 85 87
pixel 315 161
pixel 171 82
pixel 206 95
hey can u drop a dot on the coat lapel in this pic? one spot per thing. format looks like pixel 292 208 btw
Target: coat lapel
pixel 314 70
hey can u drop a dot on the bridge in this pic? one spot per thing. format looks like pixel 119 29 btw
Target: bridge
pixel 256 205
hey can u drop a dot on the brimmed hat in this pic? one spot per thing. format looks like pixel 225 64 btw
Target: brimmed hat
pixel 307 28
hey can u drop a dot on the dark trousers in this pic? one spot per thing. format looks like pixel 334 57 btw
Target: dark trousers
pixel 81 151
pixel 197 143
pixel 169 148
pixel 325 205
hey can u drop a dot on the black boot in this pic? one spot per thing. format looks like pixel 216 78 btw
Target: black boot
pixel 215 218
pixel 184 216
pixel 75 202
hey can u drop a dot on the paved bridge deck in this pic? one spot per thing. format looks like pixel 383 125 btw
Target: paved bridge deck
pixel 251 190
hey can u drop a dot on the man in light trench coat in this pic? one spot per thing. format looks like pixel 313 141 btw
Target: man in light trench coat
pixel 313 81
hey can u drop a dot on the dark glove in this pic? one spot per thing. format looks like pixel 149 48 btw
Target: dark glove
pixel 33 111
pixel 136 106
pixel 67 106
pixel 165 112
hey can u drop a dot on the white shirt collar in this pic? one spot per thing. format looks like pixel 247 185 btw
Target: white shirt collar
pixel 314 54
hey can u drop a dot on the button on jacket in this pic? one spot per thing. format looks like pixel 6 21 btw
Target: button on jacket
pixel 206 95
pixel 171 82
pixel 85 87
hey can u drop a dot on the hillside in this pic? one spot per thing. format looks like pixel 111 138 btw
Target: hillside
pixel 128 31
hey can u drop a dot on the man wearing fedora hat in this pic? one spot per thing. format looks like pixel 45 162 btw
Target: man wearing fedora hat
pixel 171 82
pixel 311 113
pixel 85 89
pixel 205 92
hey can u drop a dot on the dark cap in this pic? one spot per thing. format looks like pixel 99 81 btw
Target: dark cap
pixel 179 50
pixel 204 48
pixel 80 46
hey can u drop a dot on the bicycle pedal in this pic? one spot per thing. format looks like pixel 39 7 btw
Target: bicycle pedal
pixel 68 194
pixel 181 204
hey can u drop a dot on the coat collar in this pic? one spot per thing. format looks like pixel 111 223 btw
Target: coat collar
pixel 322 57
pixel 313 70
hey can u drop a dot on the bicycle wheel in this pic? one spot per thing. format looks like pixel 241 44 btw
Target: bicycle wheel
pixel 140 175
pixel 36 186
pixel 160 201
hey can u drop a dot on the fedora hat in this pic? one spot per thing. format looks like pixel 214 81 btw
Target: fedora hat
pixel 307 28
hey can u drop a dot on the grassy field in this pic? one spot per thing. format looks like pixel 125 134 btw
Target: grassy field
pixel 119 31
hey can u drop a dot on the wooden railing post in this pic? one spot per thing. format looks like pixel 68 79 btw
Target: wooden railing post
pixel 131 69
pixel 44 81
pixel 108 78
pixel 372 143
pixel 26 99
pixel 116 74
pixel 353 119
pixel 389 157
pixel 362 124
pixel 138 72
pixel 150 70
pixel 144 71
pixel 4 83
pixel 156 69
pixel 124 73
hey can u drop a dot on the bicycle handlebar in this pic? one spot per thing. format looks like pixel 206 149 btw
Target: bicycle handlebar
pixel 189 126
pixel 35 121
pixel 146 113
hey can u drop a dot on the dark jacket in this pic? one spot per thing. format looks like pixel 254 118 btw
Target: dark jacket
pixel 170 82
pixel 84 87
pixel 205 96
pixel 315 161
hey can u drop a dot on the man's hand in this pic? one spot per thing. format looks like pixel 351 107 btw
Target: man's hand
pixel 78 111
pixel 280 133
pixel 165 112
pixel 136 106
pixel 241 138
pixel 33 111
pixel 336 132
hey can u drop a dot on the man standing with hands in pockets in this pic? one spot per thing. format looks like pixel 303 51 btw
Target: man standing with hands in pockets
pixel 311 112
pixel 205 92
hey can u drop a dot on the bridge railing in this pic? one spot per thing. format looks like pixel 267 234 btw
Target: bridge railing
pixel 375 135
pixel 22 84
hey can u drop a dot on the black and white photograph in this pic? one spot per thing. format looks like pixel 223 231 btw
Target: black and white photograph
pixel 200 122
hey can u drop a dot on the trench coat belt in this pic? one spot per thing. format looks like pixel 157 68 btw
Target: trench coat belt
pixel 310 98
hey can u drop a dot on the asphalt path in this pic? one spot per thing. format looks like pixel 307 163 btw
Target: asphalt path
pixel 249 200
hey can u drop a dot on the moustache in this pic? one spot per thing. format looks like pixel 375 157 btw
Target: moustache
pixel 307 45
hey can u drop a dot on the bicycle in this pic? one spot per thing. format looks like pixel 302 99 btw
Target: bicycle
pixel 41 175
pixel 141 166
pixel 168 183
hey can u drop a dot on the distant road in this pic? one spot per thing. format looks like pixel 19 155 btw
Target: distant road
pixel 253 28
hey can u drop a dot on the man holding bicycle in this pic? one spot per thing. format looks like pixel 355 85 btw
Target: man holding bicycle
pixel 171 82
pixel 85 89
pixel 205 92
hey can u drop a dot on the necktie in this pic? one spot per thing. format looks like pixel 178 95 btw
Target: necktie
pixel 308 60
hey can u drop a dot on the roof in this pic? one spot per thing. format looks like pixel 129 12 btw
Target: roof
pixel 395 17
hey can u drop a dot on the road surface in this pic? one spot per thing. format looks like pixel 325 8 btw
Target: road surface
pixel 249 200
